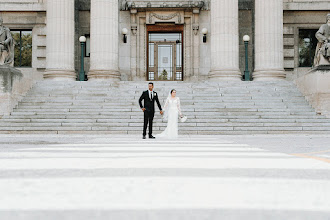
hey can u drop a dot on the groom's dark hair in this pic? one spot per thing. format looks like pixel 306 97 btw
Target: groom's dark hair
pixel 151 83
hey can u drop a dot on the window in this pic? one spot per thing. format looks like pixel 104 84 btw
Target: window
pixel 88 46
pixel 23 48
pixel 307 46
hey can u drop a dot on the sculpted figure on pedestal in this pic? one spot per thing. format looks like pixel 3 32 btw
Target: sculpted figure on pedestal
pixel 6 45
pixel 322 54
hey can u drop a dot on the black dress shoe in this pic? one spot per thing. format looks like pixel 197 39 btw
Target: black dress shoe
pixel 144 137
pixel 151 137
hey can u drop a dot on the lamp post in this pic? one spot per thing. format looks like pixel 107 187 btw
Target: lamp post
pixel 246 40
pixel 82 41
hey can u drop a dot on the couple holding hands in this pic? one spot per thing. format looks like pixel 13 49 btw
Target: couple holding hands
pixel 172 110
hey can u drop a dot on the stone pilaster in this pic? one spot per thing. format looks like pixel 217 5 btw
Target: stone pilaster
pixel 104 40
pixel 269 59
pixel 60 40
pixel 224 40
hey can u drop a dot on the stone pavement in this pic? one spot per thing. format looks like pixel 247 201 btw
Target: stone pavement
pixel 54 177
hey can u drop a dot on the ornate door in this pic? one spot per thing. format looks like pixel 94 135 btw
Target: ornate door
pixel 165 57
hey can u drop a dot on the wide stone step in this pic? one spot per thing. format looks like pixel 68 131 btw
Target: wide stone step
pixel 140 116
pixel 214 114
pixel 159 128
pixel 305 122
pixel 161 123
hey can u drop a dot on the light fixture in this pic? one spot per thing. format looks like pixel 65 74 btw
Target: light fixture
pixel 246 40
pixel 82 40
pixel 124 31
pixel 204 32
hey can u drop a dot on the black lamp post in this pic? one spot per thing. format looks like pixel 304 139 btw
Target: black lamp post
pixel 246 40
pixel 82 40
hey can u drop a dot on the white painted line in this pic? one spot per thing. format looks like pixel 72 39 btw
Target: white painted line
pixel 90 154
pixel 142 148
pixel 155 162
pixel 157 193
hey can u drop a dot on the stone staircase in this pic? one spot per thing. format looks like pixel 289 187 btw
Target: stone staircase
pixel 212 108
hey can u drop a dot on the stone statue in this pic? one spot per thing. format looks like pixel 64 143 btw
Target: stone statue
pixel 322 53
pixel 6 46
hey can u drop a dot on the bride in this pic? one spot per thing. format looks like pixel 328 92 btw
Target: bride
pixel 172 110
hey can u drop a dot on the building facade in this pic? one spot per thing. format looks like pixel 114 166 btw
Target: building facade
pixel 164 40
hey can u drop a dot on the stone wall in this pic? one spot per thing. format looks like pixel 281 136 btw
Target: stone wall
pixel 14 84
pixel 315 86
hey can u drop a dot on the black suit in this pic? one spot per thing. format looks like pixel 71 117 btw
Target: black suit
pixel 149 113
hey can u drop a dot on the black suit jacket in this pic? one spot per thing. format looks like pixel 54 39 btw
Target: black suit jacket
pixel 149 104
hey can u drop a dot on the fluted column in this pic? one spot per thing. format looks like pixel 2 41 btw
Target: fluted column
pixel 269 59
pixel 104 40
pixel 224 40
pixel 60 40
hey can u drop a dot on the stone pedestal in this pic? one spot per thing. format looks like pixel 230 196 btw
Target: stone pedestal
pixel 8 97
pixel 315 86
pixel 104 40
pixel 60 40
pixel 224 40
pixel 269 58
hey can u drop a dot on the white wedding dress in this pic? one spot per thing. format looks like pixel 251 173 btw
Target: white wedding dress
pixel 172 111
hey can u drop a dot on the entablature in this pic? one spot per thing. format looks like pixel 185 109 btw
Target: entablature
pixel 127 5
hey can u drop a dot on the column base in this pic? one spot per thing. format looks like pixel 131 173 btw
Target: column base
pixel 60 75
pixel 225 75
pixel 101 75
pixel 269 75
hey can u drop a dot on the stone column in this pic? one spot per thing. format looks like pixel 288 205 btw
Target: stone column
pixel 104 40
pixel 224 40
pixel 269 59
pixel 60 40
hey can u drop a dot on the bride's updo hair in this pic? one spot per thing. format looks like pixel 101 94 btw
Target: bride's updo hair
pixel 172 90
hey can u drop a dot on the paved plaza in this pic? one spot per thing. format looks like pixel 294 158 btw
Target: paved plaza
pixel 84 177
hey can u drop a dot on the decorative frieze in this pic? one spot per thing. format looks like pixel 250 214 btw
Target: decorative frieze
pixel 128 4
pixel 161 16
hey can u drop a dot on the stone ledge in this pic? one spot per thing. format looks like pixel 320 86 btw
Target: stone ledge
pixel 310 5
pixel 23 6
pixel 321 67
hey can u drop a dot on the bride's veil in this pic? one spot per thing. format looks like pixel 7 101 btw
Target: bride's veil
pixel 165 116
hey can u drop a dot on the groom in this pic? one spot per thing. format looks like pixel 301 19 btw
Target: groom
pixel 148 108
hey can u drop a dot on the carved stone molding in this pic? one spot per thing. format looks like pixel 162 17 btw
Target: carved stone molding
pixel 147 4
pixel 134 28
pixel 195 28
pixel 176 17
